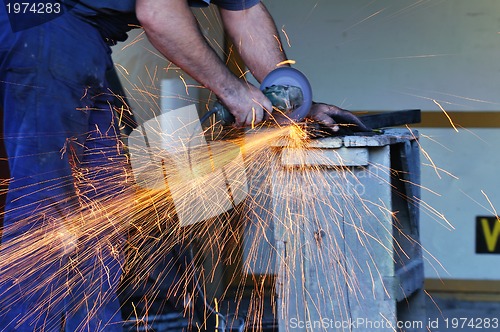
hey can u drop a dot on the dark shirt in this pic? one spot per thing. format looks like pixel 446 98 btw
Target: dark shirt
pixel 114 18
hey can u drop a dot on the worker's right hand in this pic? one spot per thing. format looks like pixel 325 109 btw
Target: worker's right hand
pixel 248 105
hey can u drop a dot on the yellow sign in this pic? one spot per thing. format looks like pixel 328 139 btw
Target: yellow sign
pixel 487 235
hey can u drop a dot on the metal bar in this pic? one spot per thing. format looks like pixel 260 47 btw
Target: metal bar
pixel 391 119
pixel 373 121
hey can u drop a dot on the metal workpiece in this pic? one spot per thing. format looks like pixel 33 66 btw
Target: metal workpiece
pixel 377 122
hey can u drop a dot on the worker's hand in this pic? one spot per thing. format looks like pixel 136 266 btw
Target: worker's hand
pixel 333 117
pixel 248 105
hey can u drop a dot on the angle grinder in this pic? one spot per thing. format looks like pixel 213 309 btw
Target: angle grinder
pixel 289 92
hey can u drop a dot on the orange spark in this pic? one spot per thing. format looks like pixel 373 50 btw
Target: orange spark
pixel 286 62
pixel 286 37
pixel 445 113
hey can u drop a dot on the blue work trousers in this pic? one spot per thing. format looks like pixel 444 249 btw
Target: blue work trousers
pixel 61 251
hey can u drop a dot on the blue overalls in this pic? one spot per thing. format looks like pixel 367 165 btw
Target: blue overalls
pixel 60 259
pixel 61 252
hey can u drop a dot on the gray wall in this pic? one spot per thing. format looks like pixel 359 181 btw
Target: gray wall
pixel 393 54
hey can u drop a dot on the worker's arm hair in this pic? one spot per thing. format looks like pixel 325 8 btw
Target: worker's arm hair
pixel 172 29
pixel 254 33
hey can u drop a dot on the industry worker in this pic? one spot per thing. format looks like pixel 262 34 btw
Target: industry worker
pixel 63 234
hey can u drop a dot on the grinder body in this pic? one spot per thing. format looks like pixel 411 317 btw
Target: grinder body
pixel 289 92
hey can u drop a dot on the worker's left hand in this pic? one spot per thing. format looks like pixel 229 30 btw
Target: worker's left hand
pixel 334 117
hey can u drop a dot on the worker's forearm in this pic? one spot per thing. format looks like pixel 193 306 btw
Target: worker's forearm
pixel 173 30
pixel 254 33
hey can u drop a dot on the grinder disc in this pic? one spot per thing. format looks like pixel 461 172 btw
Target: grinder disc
pixel 291 77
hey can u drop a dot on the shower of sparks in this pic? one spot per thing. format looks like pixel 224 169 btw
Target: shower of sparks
pixel 317 209
pixel 326 212
pixel 311 208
